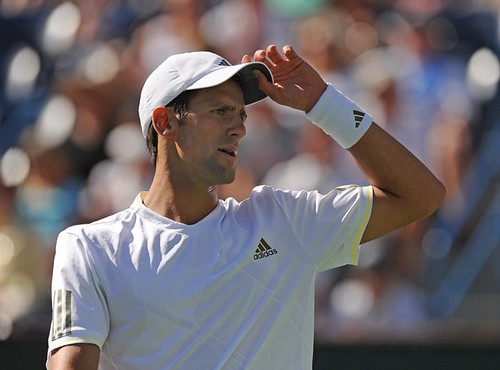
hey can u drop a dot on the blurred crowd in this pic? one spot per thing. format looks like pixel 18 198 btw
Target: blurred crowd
pixel 71 150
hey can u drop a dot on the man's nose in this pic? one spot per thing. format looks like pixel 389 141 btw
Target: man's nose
pixel 237 128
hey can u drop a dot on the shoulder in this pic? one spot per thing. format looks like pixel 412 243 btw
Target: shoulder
pixel 267 192
pixel 268 200
pixel 261 200
pixel 267 197
pixel 99 232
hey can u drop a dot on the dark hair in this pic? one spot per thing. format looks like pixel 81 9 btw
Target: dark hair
pixel 179 107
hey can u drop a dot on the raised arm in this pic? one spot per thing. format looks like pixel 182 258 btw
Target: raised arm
pixel 404 189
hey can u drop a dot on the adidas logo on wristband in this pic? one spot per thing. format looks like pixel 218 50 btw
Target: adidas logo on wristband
pixel 358 117
pixel 340 117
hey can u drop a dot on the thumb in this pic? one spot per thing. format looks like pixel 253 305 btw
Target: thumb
pixel 263 84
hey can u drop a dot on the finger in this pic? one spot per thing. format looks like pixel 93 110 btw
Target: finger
pixel 246 59
pixel 260 56
pixel 273 54
pixel 289 52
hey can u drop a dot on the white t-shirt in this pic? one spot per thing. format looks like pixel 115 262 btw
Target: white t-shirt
pixel 233 291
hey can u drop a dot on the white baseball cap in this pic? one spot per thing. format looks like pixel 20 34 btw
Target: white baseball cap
pixel 195 70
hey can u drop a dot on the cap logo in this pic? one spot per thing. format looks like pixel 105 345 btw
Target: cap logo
pixel 224 62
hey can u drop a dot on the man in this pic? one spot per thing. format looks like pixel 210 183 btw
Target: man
pixel 183 280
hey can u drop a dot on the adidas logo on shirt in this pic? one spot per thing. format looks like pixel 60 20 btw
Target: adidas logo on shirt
pixel 358 117
pixel 264 250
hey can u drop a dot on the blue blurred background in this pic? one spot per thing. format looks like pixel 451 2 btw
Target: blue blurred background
pixel 71 150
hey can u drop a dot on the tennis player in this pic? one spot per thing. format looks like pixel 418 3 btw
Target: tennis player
pixel 184 280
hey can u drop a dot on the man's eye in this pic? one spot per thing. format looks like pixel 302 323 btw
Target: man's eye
pixel 220 111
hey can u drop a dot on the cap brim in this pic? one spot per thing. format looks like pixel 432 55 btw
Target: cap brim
pixel 251 92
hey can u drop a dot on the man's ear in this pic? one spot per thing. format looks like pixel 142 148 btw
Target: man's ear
pixel 163 121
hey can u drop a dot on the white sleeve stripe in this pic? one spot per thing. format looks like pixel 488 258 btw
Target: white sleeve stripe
pixel 61 320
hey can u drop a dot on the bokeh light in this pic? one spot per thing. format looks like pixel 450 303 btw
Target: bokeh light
pixel 60 28
pixel 7 250
pixel 55 122
pixel 483 74
pixel 14 167
pixel 352 298
pixel 101 65
pixel 22 73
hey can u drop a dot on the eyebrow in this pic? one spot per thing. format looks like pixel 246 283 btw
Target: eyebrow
pixel 228 106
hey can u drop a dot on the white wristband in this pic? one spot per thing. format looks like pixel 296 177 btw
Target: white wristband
pixel 340 117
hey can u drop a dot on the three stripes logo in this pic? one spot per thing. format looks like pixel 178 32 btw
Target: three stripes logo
pixel 264 250
pixel 61 317
pixel 358 117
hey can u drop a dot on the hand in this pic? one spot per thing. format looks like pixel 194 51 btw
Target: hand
pixel 296 83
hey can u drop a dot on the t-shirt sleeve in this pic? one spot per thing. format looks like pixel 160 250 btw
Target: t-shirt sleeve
pixel 329 226
pixel 79 310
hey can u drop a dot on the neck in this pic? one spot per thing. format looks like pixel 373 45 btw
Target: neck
pixel 181 203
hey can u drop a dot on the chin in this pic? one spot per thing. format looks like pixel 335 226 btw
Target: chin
pixel 227 181
pixel 225 177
